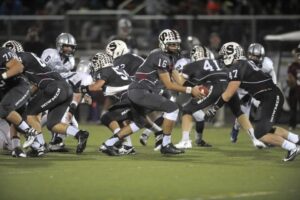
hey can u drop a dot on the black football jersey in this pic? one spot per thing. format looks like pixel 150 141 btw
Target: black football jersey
pixel 157 61
pixel 36 70
pixel 116 80
pixel 253 80
pixel 5 56
pixel 129 62
pixel 205 71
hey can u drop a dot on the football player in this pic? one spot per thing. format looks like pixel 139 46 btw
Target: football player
pixel 256 53
pixel 246 75
pixel 52 94
pixel 142 92
pixel 62 61
pixel 15 92
pixel 122 58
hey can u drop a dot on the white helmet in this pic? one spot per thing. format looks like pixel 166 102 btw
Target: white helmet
pixel 116 48
pixel 14 46
pixel 199 53
pixel 256 52
pixel 68 40
pixel 167 37
pixel 230 52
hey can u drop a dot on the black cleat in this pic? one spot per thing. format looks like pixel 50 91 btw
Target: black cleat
pixel 109 150
pixel 82 137
pixel 144 139
pixel 18 152
pixel 292 154
pixel 202 143
pixel 170 149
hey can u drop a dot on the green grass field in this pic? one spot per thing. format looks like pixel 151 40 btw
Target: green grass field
pixel 225 171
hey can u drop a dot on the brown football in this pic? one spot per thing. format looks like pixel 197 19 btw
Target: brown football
pixel 204 90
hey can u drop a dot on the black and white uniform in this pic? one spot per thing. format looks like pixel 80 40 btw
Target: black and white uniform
pixel 53 94
pixel 143 92
pixel 116 84
pixel 14 91
pixel 261 87
pixel 205 72
pixel 129 62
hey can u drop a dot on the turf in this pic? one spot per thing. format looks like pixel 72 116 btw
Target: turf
pixel 225 171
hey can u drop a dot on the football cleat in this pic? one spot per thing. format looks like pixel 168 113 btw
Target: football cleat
pixel 234 135
pixel 202 143
pixel 109 150
pixel 125 150
pixel 158 142
pixel 57 145
pixel 170 149
pixel 258 144
pixel 30 135
pixel 144 139
pixel 82 137
pixel 291 155
pixel 18 152
pixel 184 144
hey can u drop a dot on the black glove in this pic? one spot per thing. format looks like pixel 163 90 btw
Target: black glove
pixel 75 87
pixel 210 113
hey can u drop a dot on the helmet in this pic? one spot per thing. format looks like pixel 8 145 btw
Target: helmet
pixel 256 52
pixel 116 48
pixel 192 41
pixel 66 39
pixel 167 37
pixel 198 53
pixel 230 52
pixel 100 60
pixel 14 46
pixel 124 26
pixel 83 66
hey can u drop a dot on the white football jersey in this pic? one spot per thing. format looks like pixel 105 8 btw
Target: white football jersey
pixel 268 68
pixel 62 65
pixel 181 62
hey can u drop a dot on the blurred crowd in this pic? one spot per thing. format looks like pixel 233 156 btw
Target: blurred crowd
pixel 154 7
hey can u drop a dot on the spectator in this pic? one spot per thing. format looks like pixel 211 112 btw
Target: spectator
pixel 294 84
pixel 33 42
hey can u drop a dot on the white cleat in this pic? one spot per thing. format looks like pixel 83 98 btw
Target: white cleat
pixel 184 144
pixel 259 144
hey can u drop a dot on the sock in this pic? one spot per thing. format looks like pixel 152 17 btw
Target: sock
pixel 23 125
pixel 116 130
pixel 251 133
pixel 36 145
pixel 158 133
pixel 62 136
pixel 147 132
pixel 166 140
pixel 236 125
pixel 15 142
pixel 71 130
pixel 293 137
pixel 127 141
pixel 199 130
pixel 288 145
pixel 185 136
pixel 159 121
pixel 111 141
pixel 40 139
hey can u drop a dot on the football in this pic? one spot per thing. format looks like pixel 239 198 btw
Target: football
pixel 204 90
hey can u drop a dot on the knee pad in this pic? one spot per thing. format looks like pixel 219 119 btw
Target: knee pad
pixel 4 110
pixel 172 115
pixel 199 115
pixel 106 119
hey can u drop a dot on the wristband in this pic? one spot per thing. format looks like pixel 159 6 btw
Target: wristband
pixel 188 90
pixel 220 102
pixel 84 89
pixel 4 75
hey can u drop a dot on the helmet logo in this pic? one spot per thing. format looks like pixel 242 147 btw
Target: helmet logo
pixel 112 46
pixel 230 49
pixel 163 36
